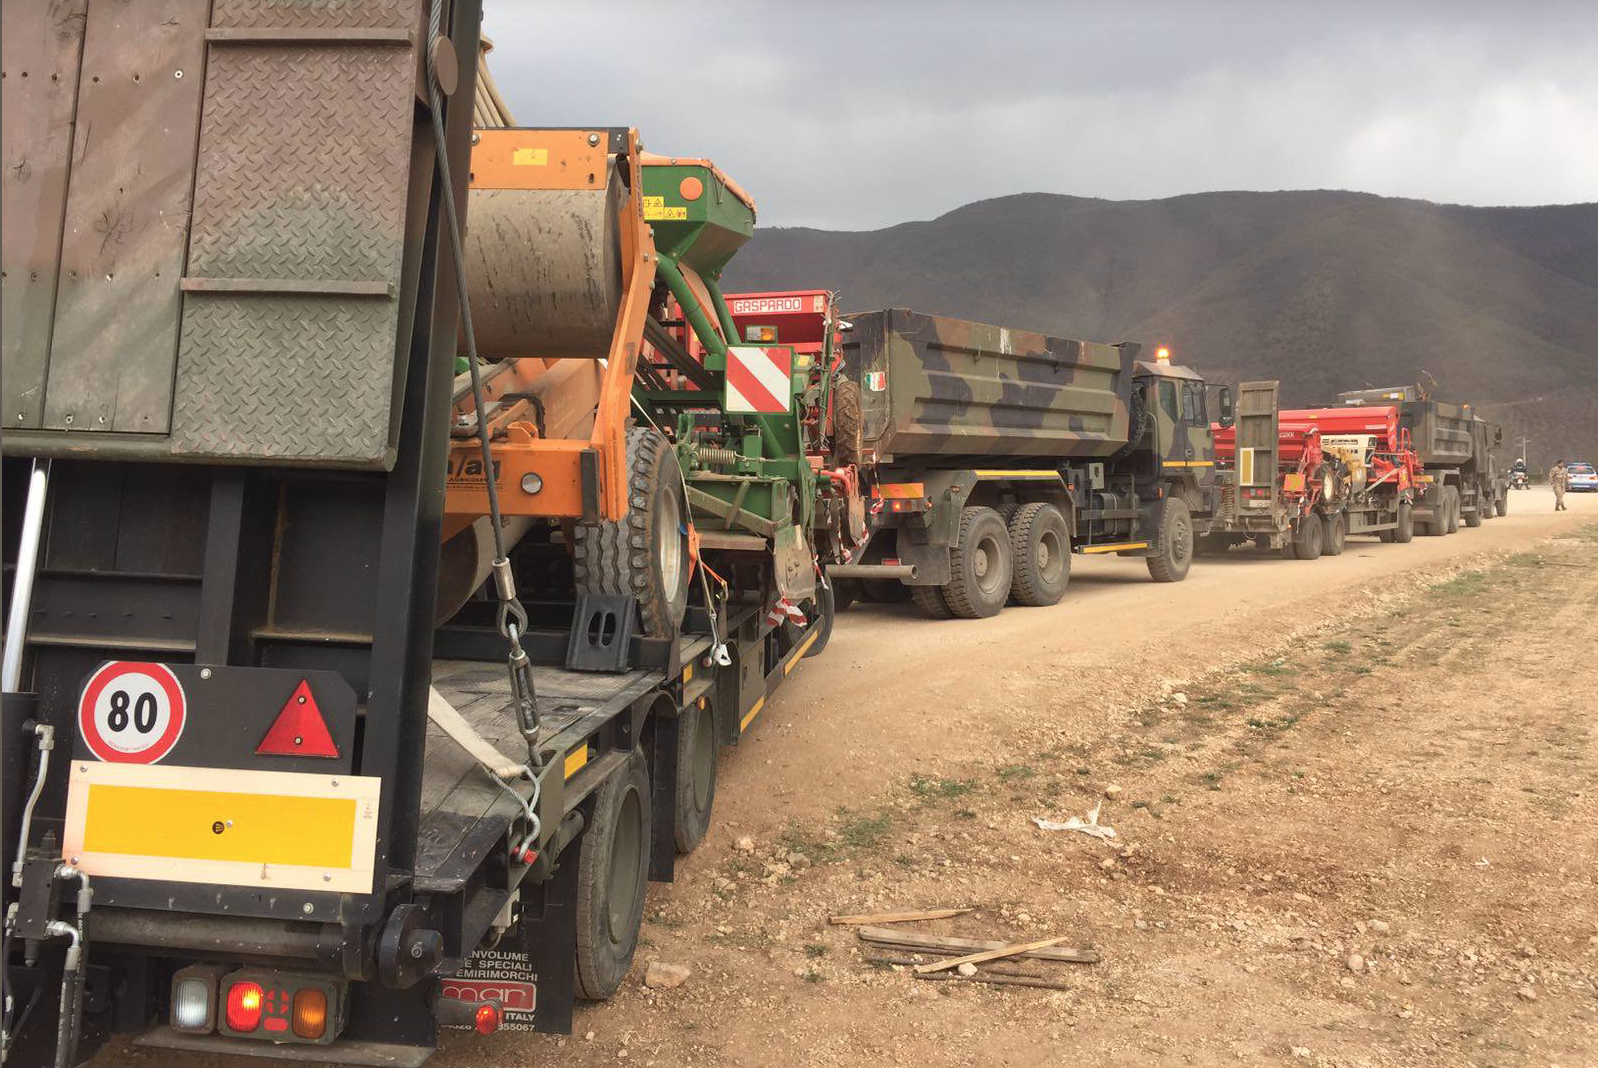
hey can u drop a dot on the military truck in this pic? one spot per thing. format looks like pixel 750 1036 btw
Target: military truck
pixel 379 591
pixel 1460 483
pixel 992 455
pixel 1300 481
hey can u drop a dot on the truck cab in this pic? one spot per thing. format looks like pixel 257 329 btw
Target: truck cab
pixel 1177 434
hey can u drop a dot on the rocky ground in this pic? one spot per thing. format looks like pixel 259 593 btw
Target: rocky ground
pixel 1356 825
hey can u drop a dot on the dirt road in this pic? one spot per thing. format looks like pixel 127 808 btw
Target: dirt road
pixel 1356 802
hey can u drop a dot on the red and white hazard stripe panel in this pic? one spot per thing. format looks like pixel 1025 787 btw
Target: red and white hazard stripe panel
pixel 785 611
pixel 758 379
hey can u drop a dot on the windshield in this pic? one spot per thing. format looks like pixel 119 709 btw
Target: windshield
pixel 1580 469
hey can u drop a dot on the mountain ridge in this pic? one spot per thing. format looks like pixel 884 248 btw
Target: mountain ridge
pixel 1324 289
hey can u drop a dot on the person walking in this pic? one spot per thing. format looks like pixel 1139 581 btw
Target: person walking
pixel 1559 482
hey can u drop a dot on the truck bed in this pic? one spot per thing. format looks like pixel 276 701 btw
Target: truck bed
pixel 463 810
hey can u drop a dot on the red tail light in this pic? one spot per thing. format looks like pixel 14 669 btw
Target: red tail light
pixel 487 1018
pixel 244 1006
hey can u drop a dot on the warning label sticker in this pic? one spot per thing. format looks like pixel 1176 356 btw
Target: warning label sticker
pixel 656 210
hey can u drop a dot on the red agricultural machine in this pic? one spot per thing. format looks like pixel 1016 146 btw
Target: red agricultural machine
pixel 1303 479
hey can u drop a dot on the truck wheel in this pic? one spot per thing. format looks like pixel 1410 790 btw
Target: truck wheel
pixel 1489 506
pixel 1336 534
pixel 1040 551
pixel 1474 517
pixel 1404 533
pixel 644 554
pixel 931 601
pixel 1311 537
pixel 981 565
pixel 1503 505
pixel 612 870
pixel 696 775
pixel 1173 542
pixel 846 422
pixel 825 607
pixel 1386 537
pixel 843 593
pixel 1451 510
pixel 884 591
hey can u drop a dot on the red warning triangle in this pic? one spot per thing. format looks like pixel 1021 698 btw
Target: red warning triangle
pixel 299 729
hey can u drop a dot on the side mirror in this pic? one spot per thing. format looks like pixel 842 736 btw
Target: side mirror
pixel 1224 401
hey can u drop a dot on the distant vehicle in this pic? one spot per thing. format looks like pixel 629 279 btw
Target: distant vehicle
pixel 1583 478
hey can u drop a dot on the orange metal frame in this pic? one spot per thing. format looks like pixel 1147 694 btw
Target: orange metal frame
pixel 556 159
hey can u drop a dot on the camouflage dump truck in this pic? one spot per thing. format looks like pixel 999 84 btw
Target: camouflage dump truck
pixel 1460 480
pixel 1301 481
pixel 991 455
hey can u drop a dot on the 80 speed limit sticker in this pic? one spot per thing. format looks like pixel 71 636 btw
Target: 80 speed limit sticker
pixel 131 713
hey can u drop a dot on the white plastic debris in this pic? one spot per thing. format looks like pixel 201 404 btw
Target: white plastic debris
pixel 1091 825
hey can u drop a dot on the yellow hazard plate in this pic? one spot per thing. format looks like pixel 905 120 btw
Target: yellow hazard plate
pixel 288 830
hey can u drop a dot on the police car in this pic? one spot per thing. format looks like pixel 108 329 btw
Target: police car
pixel 1583 478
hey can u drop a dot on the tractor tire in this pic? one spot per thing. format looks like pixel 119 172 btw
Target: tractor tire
pixel 1310 539
pixel 1040 554
pixel 847 443
pixel 1336 534
pixel 644 554
pixel 696 775
pixel 612 874
pixel 981 565
pixel 1451 509
pixel 1404 533
pixel 931 601
pixel 1173 542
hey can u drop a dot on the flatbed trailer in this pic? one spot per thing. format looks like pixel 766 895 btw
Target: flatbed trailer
pixel 993 455
pixel 258 797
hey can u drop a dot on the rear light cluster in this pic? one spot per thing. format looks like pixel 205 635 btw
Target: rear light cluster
pixel 254 1003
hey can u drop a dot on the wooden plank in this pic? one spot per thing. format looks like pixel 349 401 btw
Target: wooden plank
pixel 917 942
pixel 127 217
pixel 997 975
pixel 897 917
pixel 991 954
pixel 39 52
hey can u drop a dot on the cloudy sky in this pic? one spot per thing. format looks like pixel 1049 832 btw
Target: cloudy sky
pixel 865 114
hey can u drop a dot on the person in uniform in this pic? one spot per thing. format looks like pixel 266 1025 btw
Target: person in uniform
pixel 1559 481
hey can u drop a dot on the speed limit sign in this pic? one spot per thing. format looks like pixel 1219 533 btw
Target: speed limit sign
pixel 131 713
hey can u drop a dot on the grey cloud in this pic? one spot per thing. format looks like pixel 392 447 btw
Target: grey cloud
pixel 867 114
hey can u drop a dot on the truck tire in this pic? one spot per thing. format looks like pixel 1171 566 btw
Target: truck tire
pixel 1437 525
pixel 1040 554
pixel 645 553
pixel 1137 425
pixel 696 775
pixel 1473 518
pixel 931 601
pixel 1310 538
pixel 1336 534
pixel 825 607
pixel 844 592
pixel 612 873
pixel 980 564
pixel 1404 533
pixel 1173 542
pixel 1386 537
pixel 1503 504
pixel 1451 509
pixel 846 422
pixel 884 591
